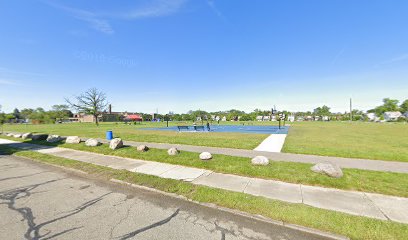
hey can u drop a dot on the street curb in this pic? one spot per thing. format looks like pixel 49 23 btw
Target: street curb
pixel 237 212
pixel 209 205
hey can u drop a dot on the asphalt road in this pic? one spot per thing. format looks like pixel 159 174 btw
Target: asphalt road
pixel 44 202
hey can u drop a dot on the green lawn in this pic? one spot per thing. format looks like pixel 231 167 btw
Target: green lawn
pixel 136 133
pixel 359 180
pixel 384 141
pixel 352 226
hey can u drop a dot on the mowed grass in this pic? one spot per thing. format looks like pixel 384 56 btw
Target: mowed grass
pixel 354 179
pixel 383 141
pixel 354 227
pixel 136 133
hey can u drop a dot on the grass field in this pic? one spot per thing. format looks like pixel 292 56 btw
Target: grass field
pixel 351 226
pixel 354 179
pixel 136 133
pixel 384 141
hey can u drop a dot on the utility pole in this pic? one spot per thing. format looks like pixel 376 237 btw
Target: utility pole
pixel 351 110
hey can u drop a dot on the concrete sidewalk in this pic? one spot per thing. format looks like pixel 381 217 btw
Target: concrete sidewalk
pixel 357 203
pixel 364 164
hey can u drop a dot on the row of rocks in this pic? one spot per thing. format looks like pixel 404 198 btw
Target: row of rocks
pixel 328 169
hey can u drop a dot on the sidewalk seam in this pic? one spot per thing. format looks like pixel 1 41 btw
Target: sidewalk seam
pixel 377 207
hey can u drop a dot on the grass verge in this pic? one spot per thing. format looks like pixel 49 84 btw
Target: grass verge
pixel 340 223
pixel 387 183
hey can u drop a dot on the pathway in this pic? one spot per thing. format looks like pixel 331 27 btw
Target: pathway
pixel 365 164
pixel 357 203
pixel 273 143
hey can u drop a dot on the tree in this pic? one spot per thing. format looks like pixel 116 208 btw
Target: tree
pixel 322 111
pixel 60 111
pixel 389 105
pixel 404 106
pixel 91 102
pixel 26 112
pixel 16 113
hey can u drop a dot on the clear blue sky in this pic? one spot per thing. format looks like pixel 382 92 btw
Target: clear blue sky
pixel 196 54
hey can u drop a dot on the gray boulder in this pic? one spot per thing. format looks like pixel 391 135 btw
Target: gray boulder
pixel 39 137
pixel 27 135
pixel 73 140
pixel 92 142
pixel 173 151
pixel 116 143
pixel 53 138
pixel 142 148
pixel 260 160
pixel 329 169
pixel 17 135
pixel 205 156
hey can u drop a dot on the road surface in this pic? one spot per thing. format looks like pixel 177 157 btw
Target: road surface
pixel 39 201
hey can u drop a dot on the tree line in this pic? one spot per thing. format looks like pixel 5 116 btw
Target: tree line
pixel 94 102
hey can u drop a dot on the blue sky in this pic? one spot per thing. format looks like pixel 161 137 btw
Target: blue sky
pixel 177 55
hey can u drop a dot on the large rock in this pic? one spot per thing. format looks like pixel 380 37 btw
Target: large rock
pixel 142 148
pixel 116 143
pixel 329 169
pixel 39 137
pixel 173 151
pixel 92 142
pixel 17 135
pixel 53 138
pixel 10 134
pixel 27 135
pixel 205 156
pixel 73 140
pixel 260 160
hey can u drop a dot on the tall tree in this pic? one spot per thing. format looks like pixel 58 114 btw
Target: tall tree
pixel 16 113
pixel 91 102
pixel 322 111
pixel 61 111
pixel 404 106
pixel 389 105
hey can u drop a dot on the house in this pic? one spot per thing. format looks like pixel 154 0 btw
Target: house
pixel 224 119
pixel 325 118
pixel 259 118
pixel 372 117
pixel 308 118
pixel 291 118
pixel 392 116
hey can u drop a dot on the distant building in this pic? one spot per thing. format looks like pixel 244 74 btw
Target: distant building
pixel 133 117
pixel 372 117
pixel 224 119
pixel 107 116
pixel 391 116
pixel 291 118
